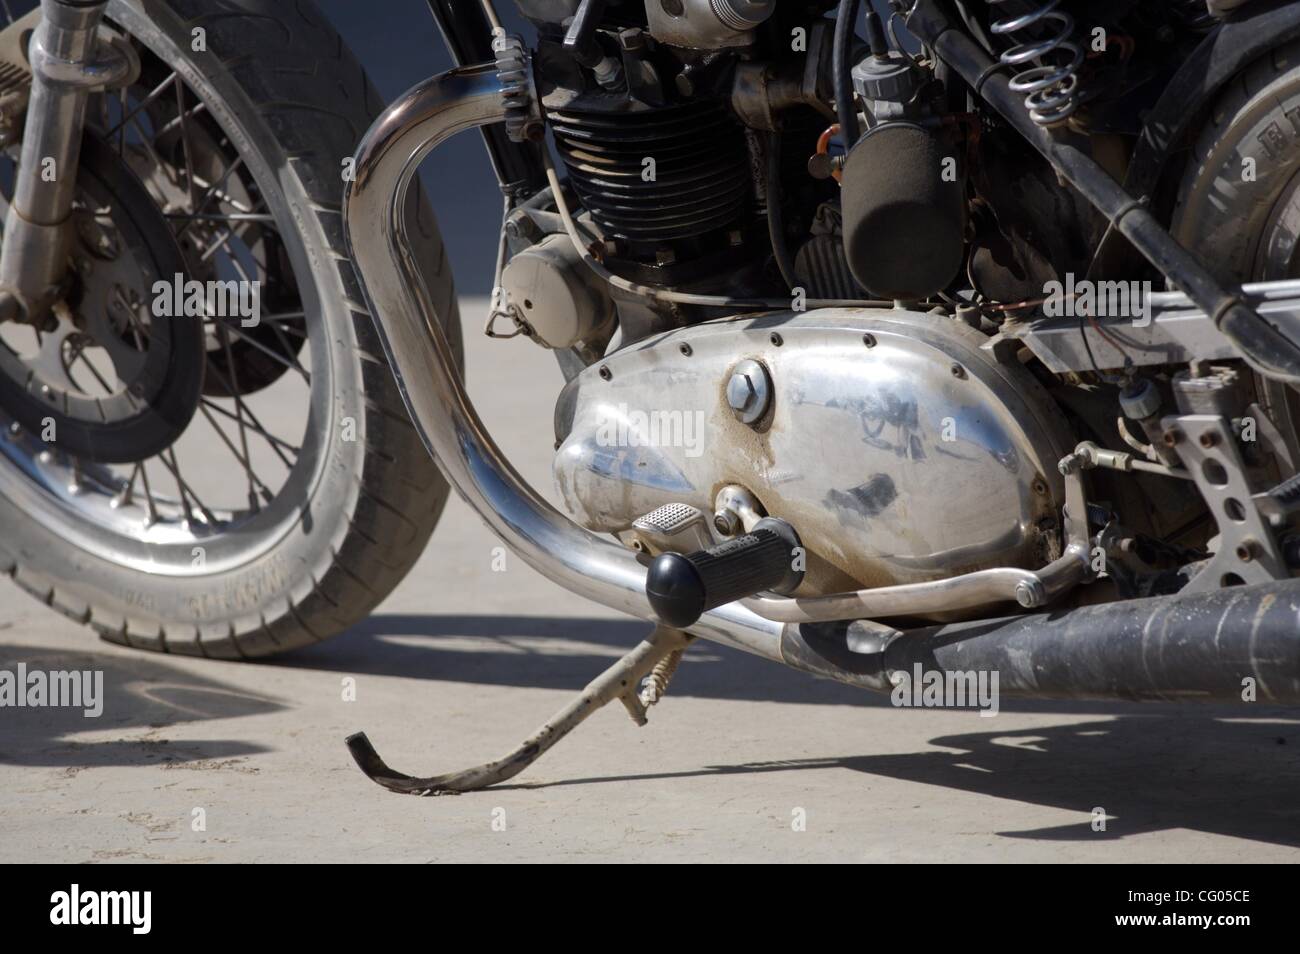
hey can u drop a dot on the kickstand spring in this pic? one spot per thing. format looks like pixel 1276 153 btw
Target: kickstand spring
pixel 655 656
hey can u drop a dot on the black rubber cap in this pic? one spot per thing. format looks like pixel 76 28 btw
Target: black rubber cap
pixel 675 589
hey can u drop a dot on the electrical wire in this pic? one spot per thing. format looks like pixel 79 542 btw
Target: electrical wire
pixel 775 216
pixel 846 19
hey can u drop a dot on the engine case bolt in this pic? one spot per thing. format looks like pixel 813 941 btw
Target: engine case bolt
pixel 1030 593
pixel 1209 439
pixel 749 391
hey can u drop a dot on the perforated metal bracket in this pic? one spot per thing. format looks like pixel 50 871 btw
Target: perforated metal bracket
pixel 1247 552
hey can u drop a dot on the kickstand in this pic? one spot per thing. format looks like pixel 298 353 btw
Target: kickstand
pixel 656 656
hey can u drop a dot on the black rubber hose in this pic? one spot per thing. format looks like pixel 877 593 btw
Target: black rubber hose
pixel 845 21
pixel 775 218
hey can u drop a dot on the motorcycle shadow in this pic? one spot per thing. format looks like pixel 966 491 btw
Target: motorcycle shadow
pixel 1210 771
pixel 1141 767
pixel 137 695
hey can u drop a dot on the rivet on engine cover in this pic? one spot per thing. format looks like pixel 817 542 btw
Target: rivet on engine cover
pixel 749 391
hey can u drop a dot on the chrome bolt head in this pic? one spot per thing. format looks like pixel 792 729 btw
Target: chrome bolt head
pixel 749 391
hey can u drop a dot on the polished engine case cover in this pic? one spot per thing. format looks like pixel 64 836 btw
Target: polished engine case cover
pixel 898 448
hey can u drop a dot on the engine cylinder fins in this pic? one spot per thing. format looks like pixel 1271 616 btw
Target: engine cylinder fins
pixel 904 207
pixel 658 175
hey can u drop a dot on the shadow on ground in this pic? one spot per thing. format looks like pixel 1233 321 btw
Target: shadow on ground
pixel 1223 769
pixel 1143 773
pixel 141 692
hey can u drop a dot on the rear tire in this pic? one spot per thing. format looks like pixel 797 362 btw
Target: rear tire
pixel 290 96
pixel 1239 202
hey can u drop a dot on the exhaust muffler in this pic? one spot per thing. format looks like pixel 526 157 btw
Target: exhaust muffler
pixel 1230 645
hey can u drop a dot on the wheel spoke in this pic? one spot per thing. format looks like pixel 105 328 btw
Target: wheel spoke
pixel 243 461
pixel 223 242
pixel 274 355
pixel 151 507
pixel 80 355
pixel 223 333
pixel 257 428
pixel 143 104
pixel 185 139
pixel 211 190
pixel 179 120
pixel 168 457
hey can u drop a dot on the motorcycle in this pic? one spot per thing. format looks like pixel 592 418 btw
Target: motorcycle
pixel 970 345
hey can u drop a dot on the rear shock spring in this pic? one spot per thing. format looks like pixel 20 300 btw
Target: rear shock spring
pixel 1051 87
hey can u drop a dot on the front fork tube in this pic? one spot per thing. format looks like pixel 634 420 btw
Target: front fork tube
pixel 68 61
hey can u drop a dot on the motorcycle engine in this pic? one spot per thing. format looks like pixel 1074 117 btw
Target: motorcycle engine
pixel 658 112
pixel 868 430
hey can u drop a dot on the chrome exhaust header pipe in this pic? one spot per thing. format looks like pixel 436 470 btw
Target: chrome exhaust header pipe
pixel 430 382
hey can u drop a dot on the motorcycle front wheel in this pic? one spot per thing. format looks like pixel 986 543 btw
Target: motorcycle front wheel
pixel 293 493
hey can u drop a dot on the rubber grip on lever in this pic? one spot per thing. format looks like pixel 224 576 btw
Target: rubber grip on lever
pixel 683 587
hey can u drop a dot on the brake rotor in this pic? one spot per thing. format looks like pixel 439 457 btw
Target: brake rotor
pixel 110 382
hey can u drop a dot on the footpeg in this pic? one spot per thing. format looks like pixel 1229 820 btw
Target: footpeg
pixel 683 587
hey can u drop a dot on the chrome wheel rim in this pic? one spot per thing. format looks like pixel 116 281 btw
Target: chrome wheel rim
pixel 158 515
